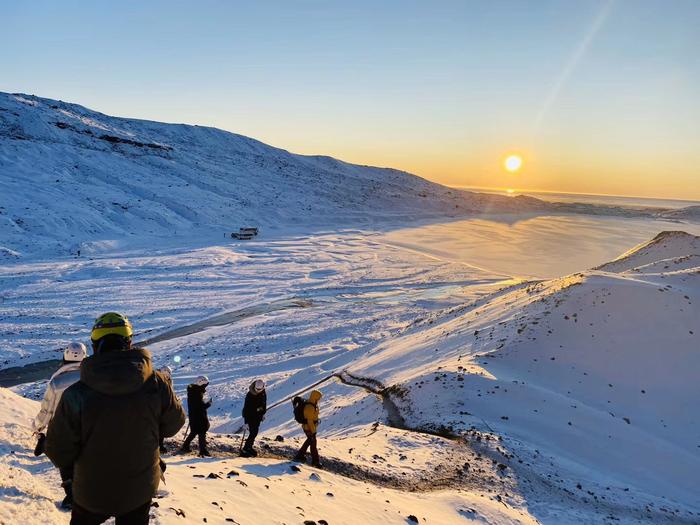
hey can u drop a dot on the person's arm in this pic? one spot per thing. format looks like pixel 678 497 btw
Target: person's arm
pixel 246 407
pixel 64 432
pixel 263 404
pixel 48 406
pixel 172 416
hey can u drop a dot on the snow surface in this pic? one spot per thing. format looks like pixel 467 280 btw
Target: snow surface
pixel 499 368
pixel 454 389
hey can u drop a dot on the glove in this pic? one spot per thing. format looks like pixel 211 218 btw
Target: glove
pixel 40 444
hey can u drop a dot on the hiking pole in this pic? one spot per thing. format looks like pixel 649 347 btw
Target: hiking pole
pixel 240 448
pixel 187 433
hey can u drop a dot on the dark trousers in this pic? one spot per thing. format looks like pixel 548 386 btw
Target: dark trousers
pixel 138 516
pixel 66 474
pixel 310 442
pixel 253 429
pixel 202 440
pixel 67 482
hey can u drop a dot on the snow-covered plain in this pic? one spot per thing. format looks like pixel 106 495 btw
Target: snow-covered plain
pixel 497 366
pixel 473 370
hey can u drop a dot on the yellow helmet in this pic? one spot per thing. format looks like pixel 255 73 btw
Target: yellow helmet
pixel 111 323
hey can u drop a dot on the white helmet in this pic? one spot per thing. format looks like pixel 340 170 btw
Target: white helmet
pixel 166 371
pixel 258 386
pixel 201 381
pixel 75 352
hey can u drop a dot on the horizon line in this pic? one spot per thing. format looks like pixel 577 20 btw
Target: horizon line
pixel 563 192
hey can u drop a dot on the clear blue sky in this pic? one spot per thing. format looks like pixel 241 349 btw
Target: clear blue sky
pixel 598 96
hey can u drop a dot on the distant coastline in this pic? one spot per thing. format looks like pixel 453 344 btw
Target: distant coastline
pixel 612 200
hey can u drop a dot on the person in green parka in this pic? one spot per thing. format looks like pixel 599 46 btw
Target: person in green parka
pixel 108 426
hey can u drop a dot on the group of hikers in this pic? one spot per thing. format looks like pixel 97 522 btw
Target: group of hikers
pixel 104 419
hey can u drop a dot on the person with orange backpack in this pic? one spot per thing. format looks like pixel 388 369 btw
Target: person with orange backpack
pixel 306 412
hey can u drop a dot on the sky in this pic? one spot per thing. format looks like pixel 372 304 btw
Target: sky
pixel 597 96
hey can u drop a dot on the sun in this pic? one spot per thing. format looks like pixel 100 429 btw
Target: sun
pixel 513 163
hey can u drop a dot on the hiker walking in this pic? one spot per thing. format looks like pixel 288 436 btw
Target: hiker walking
pixel 306 412
pixel 107 425
pixel 197 405
pixel 167 374
pixel 254 409
pixel 65 376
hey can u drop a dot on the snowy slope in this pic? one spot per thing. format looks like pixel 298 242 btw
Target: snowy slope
pixel 597 369
pixel 70 176
pixel 562 401
pixel 226 489
pixel 29 488
pixel 669 245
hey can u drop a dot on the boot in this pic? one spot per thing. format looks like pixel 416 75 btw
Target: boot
pixel 300 458
pixel 204 453
pixel 67 503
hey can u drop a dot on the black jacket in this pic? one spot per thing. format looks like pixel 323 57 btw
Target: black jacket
pixel 197 409
pixel 108 425
pixel 255 406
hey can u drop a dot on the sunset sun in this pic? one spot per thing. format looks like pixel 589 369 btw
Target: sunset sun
pixel 513 163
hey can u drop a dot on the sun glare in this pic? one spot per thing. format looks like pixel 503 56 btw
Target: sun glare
pixel 513 163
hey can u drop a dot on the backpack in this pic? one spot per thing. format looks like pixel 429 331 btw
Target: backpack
pixel 299 403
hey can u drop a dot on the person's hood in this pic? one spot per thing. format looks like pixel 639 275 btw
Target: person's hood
pixel 315 396
pixel 117 373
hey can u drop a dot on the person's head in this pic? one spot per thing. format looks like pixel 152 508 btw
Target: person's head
pixel 167 372
pixel 257 387
pixel 74 353
pixel 111 333
pixel 315 396
pixel 201 381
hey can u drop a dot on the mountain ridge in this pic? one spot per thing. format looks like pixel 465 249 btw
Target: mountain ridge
pixel 94 176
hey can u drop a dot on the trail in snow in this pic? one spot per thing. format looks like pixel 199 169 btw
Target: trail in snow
pixel 227 318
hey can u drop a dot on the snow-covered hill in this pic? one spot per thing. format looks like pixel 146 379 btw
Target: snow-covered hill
pixel 594 373
pixel 70 176
pixel 664 252
pixel 563 401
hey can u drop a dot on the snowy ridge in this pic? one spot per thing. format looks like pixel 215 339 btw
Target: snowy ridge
pixel 597 369
pixel 674 245
pixel 75 179
pixel 691 213
pixel 71 175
